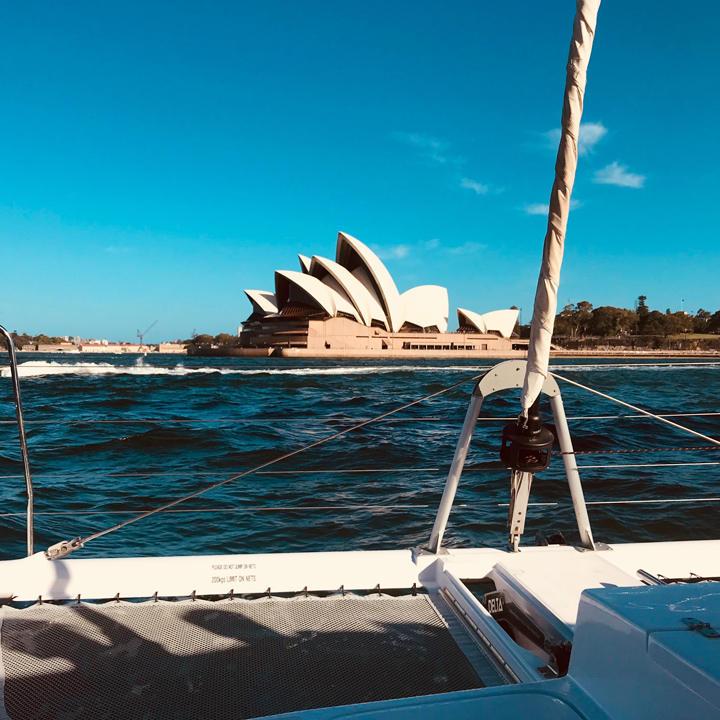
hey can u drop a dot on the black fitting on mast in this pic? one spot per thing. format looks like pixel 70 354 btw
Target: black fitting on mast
pixel 526 444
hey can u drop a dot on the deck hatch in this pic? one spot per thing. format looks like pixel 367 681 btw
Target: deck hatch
pixel 240 659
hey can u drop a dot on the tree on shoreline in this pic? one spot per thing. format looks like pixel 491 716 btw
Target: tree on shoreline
pixel 223 339
pixel 576 321
pixel 21 339
pixel 583 321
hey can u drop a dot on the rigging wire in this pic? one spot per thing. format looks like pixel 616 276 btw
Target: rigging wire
pixel 626 451
pixel 166 506
pixel 648 465
pixel 638 409
pixel 355 508
pixel 630 365
pixel 614 417
pixel 668 501
pixel 246 421
pixel 263 421
pixel 343 471
pixel 218 472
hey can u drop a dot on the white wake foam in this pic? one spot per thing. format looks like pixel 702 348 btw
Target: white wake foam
pixel 40 368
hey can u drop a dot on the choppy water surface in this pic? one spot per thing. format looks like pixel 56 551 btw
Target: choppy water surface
pixel 109 435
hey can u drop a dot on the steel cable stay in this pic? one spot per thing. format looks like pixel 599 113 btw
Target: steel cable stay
pixel 626 451
pixel 64 548
pixel 682 364
pixel 194 421
pixel 219 472
pixel 367 471
pixel 264 421
pixel 355 508
pixel 660 418
pixel 169 507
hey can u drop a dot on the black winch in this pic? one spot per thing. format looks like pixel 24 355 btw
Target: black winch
pixel 526 444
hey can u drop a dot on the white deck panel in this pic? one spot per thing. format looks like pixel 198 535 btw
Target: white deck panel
pixel 670 559
pixel 558 579
pixel 634 654
pixel 27 578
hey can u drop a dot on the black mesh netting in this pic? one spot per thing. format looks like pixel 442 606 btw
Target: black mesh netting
pixel 241 659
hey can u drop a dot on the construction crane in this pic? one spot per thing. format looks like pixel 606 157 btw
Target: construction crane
pixel 142 335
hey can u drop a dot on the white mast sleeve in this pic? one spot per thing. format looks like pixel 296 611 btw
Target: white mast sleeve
pixel 543 318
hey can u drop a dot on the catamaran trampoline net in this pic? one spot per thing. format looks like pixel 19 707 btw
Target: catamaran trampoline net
pixel 240 659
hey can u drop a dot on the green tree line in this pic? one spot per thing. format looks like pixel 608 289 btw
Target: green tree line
pixel 583 320
pixel 205 339
pixel 20 339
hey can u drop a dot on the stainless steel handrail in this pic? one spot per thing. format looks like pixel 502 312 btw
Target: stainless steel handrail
pixel 504 376
pixel 21 434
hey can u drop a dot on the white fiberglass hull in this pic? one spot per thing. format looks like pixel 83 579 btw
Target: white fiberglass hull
pixel 632 650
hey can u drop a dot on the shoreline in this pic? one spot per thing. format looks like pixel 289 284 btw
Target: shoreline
pixel 278 352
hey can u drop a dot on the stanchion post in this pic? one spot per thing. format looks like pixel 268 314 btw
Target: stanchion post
pixel 21 433
pixel 572 472
pixel 456 469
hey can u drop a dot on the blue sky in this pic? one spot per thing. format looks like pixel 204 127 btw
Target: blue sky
pixel 157 158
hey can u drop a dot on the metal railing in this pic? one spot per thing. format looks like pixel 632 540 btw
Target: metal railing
pixel 567 452
pixel 21 434
pixel 504 376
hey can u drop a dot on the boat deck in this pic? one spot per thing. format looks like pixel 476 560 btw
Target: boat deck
pixel 239 659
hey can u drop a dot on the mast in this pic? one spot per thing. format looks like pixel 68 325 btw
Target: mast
pixel 527 445
pixel 543 318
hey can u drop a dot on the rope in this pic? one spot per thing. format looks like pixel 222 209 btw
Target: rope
pixel 637 409
pixel 247 421
pixel 629 365
pixel 342 471
pixel 610 417
pixel 638 450
pixel 317 443
pixel 651 502
pixel 214 474
pixel 229 510
pixel 669 501
pixel 355 508
pixel 262 421
pixel 649 465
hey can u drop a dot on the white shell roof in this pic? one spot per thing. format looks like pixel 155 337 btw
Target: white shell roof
pixel 357 292
pixel 304 263
pixel 342 301
pixel 502 321
pixel 376 311
pixel 358 285
pixel 324 296
pixel 262 301
pixel 468 317
pixel 389 297
pixel 318 291
pixel 427 305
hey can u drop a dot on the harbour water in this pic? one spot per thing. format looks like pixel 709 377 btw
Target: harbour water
pixel 109 436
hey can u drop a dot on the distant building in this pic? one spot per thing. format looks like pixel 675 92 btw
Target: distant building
pixel 66 347
pixel 351 305
pixel 97 346
pixel 174 348
pixel 105 347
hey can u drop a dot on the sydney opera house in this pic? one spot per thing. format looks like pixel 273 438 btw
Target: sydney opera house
pixel 351 306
